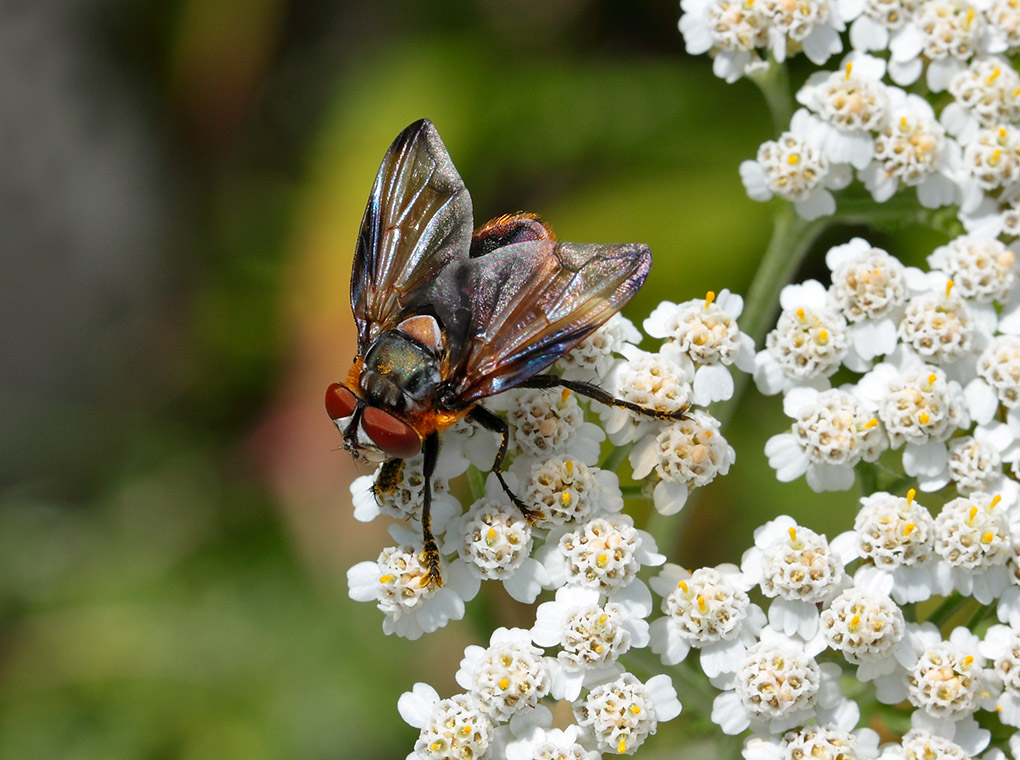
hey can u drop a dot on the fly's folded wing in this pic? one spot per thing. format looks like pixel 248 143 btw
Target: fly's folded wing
pixel 529 303
pixel 417 222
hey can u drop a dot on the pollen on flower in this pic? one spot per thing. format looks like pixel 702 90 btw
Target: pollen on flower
pixel 775 682
pixel 973 465
pixel 457 729
pixel 945 683
pixel 801 567
pixel 971 534
pixel 545 422
pixel 863 626
pixel 497 539
pixel 594 636
pixel 707 608
pixel 992 157
pixel 401 577
pixel 509 677
pixel 619 714
pixel 791 166
pixel 981 268
pixel 565 489
pixel 601 553
pixel 809 344
pixel 893 531
pixel 692 450
pixel 837 429
pixel 939 328
pixel 999 366
pixel 919 407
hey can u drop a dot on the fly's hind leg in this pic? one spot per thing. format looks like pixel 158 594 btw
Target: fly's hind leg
pixel 496 424
pixel 603 397
pixel 430 552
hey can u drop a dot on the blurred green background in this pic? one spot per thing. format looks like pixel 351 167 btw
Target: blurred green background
pixel 181 188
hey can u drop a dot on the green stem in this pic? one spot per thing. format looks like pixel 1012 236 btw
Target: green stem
pixel 774 84
pixel 949 607
pixel 615 458
pixel 791 240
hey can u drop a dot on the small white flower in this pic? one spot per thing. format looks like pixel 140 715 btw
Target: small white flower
pixel 808 343
pixel 604 553
pixel 812 26
pixel 851 103
pixel 1004 21
pixel 591 637
pixel 708 610
pixel 495 541
pixel 594 357
pixel 918 743
pixel 981 268
pixel 731 30
pixel 624 712
pixel 913 151
pixel 799 569
pixel 686 454
pixel 707 331
pixel 815 742
pixel 394 582
pixel 795 168
pixel 947 679
pixel 1002 647
pixel 984 95
pixel 921 408
pixel 832 431
pixel 947 33
pixel 545 422
pixel 938 326
pixel 975 463
pixel 457 727
pixel 397 493
pixel 508 676
pixel 778 684
pixel 656 381
pixel 865 625
pixel 540 743
pixel 897 536
pixel 991 160
pixel 972 537
pixel 566 489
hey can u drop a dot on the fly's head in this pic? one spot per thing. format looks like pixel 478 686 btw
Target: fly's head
pixel 389 389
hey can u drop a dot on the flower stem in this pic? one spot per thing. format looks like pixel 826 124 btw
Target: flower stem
pixel 774 84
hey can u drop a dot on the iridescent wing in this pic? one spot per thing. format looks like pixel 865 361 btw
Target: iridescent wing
pixel 532 302
pixel 417 222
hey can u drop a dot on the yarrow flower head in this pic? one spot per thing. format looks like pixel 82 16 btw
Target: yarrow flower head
pixel 795 168
pixel 913 150
pixel 398 583
pixel 622 713
pixel 566 489
pixel 852 103
pixel 591 637
pixel 973 538
pixel 508 676
pixel 799 569
pixel 707 331
pixel 808 343
pixel 1001 646
pixel 686 454
pixel 595 356
pixel 708 610
pixel 457 728
pixel 984 95
pixel 896 536
pixel 946 679
pixel 778 684
pixel 832 431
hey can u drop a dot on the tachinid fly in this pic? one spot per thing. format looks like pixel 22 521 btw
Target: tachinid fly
pixel 447 317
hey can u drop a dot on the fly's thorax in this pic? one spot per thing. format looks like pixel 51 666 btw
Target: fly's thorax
pixel 399 373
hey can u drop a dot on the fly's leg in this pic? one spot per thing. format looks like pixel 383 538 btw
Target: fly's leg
pixel 498 425
pixel 600 395
pixel 389 477
pixel 430 553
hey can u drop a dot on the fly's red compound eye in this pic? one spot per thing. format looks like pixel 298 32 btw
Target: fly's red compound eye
pixel 396 438
pixel 340 401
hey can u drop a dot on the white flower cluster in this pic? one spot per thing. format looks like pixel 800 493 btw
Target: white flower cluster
pixel 853 123
pixel 933 356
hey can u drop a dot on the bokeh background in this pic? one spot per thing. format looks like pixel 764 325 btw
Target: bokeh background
pixel 181 183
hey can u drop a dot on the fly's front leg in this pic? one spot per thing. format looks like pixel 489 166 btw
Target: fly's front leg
pixel 600 395
pixel 498 425
pixel 430 553
pixel 389 477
